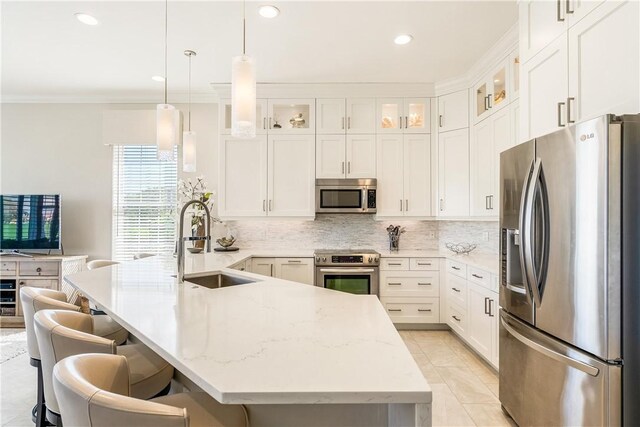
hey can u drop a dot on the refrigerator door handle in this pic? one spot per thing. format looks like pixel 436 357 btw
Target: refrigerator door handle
pixel 526 235
pixel 584 367
pixel 522 225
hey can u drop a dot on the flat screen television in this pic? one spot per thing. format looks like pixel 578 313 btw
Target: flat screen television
pixel 30 222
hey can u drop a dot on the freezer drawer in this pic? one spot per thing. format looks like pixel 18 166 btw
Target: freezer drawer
pixel 545 382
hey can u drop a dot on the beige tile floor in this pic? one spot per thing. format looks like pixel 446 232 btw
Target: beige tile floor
pixel 465 388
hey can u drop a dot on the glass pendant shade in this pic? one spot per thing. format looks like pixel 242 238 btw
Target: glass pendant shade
pixel 188 151
pixel 243 97
pixel 166 127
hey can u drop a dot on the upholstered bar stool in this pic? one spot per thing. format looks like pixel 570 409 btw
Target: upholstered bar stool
pixel 66 333
pixel 36 299
pixel 93 390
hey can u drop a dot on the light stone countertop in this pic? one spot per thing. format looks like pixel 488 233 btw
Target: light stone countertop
pixel 488 262
pixel 270 342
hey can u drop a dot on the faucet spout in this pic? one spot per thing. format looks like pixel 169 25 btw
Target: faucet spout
pixel 182 239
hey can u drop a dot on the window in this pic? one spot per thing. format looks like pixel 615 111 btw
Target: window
pixel 144 202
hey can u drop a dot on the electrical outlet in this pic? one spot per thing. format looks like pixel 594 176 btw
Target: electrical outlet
pixel 485 236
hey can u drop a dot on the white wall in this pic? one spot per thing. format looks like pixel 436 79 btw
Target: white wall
pixel 57 148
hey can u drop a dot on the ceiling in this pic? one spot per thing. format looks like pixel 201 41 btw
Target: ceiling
pixel 47 53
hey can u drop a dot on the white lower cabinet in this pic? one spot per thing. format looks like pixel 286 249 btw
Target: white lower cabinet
pixel 410 289
pixel 472 308
pixel 295 269
pixel 453 173
pixel 263 266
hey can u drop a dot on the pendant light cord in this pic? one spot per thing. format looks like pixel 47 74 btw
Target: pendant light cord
pixel 166 31
pixel 190 93
pixel 244 27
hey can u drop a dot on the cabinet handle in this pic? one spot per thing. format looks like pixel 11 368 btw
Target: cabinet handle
pixel 424 284
pixel 490 309
pixel 406 205
pixel 569 104
pixel 424 263
pixel 476 276
pixel 455 289
pixel 269 122
pixel 400 121
pixel 264 123
pixel 406 122
pixel 486 103
pixel 271 270
pixel 394 309
pixel 348 167
pixel 349 123
pixel 270 205
pixel 342 167
pixel 486 303
pixel 559 11
pixel 568 9
pixel 486 203
pixel 455 268
pixel 560 124
pixel 264 203
pixel 294 261
pixel 440 120
pixel 441 204
pixel 400 205
pixel 395 263
pixel 455 318
pixel 342 123
pixel 424 309
pixel 489 100
pixel 491 202
pixel 394 284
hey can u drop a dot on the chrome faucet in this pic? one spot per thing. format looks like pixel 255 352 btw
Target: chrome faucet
pixel 182 239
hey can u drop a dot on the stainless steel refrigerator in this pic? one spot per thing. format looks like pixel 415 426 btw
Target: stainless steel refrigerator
pixel 570 276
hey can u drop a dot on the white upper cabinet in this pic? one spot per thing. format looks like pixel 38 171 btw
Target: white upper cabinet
pixel 453 111
pixel 540 22
pixel 544 90
pixel 291 175
pixel 330 156
pixel 331 116
pixel 403 115
pixel 417 175
pixel 577 9
pixel 514 75
pixel 350 156
pixel 292 116
pixel 225 116
pixel 242 185
pixel 361 115
pixel 492 93
pixel 604 69
pixel 390 191
pixel 361 156
pixel 481 164
pixel 453 173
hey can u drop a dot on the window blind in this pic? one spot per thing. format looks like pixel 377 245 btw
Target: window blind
pixel 144 202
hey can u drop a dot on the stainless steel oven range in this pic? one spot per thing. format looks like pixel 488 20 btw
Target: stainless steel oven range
pixel 353 270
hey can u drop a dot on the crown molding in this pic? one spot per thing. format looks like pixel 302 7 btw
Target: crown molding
pixel 177 97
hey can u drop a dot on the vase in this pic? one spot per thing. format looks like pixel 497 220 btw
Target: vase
pixel 394 243
pixel 200 231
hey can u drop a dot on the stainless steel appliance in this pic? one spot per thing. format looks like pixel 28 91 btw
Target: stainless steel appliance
pixel 570 282
pixel 355 271
pixel 346 195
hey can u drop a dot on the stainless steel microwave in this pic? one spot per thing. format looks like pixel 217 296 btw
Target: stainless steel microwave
pixel 346 195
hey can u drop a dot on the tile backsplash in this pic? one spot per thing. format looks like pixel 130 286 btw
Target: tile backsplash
pixel 358 231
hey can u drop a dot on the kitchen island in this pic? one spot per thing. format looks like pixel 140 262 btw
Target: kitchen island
pixel 294 354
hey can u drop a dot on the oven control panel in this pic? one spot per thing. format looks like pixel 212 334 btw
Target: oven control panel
pixel 368 259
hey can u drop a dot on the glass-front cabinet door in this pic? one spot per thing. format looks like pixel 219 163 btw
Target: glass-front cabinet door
pixel 389 115
pixel 514 76
pixel 294 116
pixel 225 116
pixel 492 92
pixel 499 96
pixel 417 115
pixel 481 92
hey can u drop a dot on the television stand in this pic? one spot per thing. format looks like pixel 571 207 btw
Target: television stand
pixel 15 253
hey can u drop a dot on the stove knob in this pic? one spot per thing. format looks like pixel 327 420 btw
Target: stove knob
pixel 370 259
pixel 317 259
pixel 376 259
pixel 324 259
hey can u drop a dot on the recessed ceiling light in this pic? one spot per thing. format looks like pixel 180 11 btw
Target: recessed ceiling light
pixel 403 39
pixel 157 78
pixel 268 11
pixel 86 19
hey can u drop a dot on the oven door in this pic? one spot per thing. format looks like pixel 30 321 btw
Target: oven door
pixel 354 280
pixel 341 199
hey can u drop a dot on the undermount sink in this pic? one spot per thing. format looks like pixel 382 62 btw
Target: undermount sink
pixel 218 281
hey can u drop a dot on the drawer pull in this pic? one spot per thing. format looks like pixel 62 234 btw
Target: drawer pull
pixel 424 309
pixel 294 260
pixel 455 318
pixel 424 284
pixel 455 289
pixel 394 309
pixel 395 263
pixel 395 284
pixel 455 268
pixel 424 263
pixel 477 277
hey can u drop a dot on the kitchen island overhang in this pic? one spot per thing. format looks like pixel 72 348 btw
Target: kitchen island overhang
pixel 271 343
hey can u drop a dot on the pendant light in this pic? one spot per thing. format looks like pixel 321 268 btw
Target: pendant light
pixel 243 90
pixel 166 123
pixel 188 136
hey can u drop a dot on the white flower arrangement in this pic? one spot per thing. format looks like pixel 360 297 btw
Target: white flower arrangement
pixel 196 190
